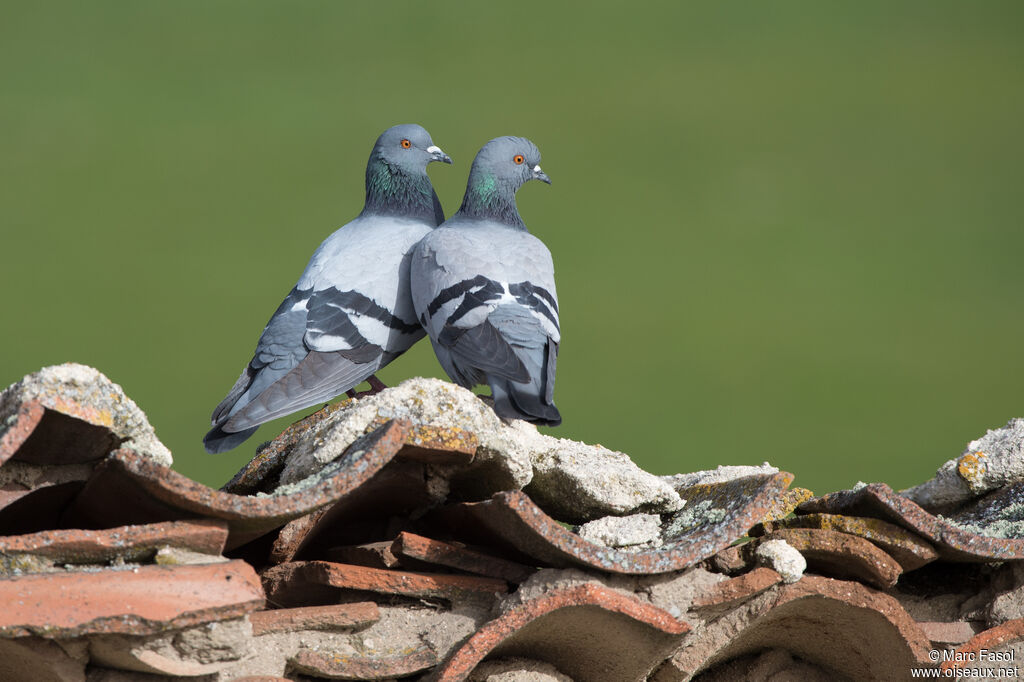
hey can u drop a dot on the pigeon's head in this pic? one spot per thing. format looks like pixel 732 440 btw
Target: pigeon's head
pixel 407 147
pixel 509 160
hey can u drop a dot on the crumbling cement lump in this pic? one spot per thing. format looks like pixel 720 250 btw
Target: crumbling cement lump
pixel 576 482
pixel 420 401
pixel 636 531
pixel 720 474
pixel 992 461
pixel 783 558
pixel 85 393
pixel 573 482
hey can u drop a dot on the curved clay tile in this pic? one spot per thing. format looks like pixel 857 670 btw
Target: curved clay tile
pixel 127 488
pixel 836 624
pixel 714 517
pixel 840 555
pixel 953 542
pixel 589 632
pixel 908 548
pixel 137 601
pixel 996 648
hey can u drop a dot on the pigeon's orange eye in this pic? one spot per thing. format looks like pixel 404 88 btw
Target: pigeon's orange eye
pixel 518 159
pixel 406 144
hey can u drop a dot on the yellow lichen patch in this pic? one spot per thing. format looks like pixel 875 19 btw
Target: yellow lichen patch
pixel 972 466
pixel 786 502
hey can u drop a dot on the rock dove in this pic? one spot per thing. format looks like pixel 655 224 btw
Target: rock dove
pixel 484 288
pixel 350 312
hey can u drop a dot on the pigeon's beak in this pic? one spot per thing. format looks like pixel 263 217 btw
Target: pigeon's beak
pixel 437 155
pixel 538 174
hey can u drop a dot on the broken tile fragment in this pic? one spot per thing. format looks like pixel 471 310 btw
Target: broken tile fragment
pixel 404 583
pixel 835 624
pixel 134 600
pixel 372 554
pixel 89 415
pixel 728 593
pixel 331 617
pixel 129 543
pixel 376 666
pixel 588 632
pixel 907 548
pixel 950 540
pixel 430 551
pixel 840 555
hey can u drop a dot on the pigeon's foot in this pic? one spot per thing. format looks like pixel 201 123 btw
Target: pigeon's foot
pixel 376 386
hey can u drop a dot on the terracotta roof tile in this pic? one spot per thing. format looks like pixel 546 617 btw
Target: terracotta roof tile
pixel 729 593
pixel 372 554
pixel 130 543
pixel 840 555
pixel 430 551
pixel 404 583
pixel 989 649
pixel 401 663
pixel 951 541
pixel 128 488
pixel 908 548
pixel 719 514
pixel 137 600
pixel 43 435
pixel 359 517
pixel 589 632
pixel 331 617
pixel 837 624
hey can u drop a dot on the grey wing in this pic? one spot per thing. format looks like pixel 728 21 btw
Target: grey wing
pixel 459 282
pixel 333 353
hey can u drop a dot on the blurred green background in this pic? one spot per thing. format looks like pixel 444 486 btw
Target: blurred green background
pixel 782 231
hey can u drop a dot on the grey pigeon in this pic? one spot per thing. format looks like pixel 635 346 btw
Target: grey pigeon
pixel 350 312
pixel 484 289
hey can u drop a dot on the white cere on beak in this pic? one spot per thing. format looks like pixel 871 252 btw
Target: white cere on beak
pixel 536 169
pixel 434 149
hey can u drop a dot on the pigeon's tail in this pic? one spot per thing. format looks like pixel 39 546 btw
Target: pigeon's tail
pixel 518 401
pixel 531 400
pixel 219 440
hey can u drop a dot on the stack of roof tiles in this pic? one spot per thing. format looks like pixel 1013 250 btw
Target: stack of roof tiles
pixel 391 561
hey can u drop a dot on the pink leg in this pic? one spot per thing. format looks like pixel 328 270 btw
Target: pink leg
pixel 376 386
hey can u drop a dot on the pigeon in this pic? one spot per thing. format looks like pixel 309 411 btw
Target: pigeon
pixel 484 289
pixel 351 311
